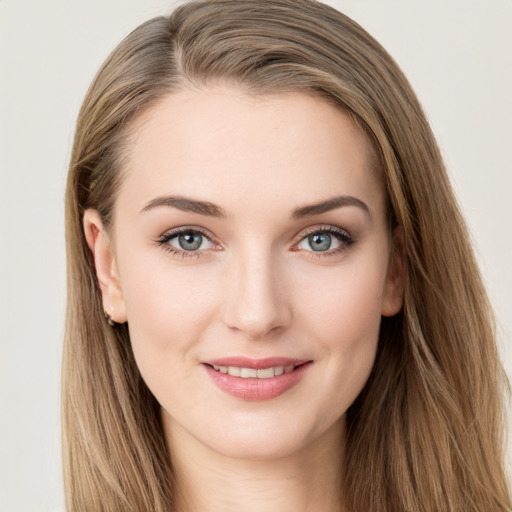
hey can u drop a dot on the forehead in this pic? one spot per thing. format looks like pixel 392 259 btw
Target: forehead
pixel 222 145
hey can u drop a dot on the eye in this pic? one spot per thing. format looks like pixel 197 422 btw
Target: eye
pixel 320 241
pixel 182 241
pixel 189 241
pixel 326 240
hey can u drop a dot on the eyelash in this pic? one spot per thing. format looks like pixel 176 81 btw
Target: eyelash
pixel 343 236
pixel 163 241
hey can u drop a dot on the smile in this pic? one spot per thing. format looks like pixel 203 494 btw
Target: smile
pixel 253 373
pixel 256 380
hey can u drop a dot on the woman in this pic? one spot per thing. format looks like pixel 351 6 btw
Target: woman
pixel 272 297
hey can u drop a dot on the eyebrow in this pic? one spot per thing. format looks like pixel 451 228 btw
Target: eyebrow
pixel 186 204
pixel 330 204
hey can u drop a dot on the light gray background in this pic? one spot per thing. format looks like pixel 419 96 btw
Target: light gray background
pixel 456 53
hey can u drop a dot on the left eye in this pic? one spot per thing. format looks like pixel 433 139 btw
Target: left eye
pixel 190 241
pixel 320 241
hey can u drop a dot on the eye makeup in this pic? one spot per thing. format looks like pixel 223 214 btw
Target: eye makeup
pixel 317 241
pixel 187 242
pixel 320 240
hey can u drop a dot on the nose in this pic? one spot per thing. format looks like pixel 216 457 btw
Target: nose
pixel 257 304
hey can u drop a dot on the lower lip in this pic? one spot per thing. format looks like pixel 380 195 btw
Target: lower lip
pixel 257 389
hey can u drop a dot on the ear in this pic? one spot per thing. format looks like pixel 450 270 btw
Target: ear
pixel 105 265
pixel 393 297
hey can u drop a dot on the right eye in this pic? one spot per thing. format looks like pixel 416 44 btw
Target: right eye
pixel 186 242
pixel 190 241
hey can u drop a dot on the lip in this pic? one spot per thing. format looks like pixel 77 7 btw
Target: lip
pixel 253 389
pixel 256 364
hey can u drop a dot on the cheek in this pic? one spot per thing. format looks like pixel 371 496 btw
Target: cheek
pixel 167 309
pixel 345 304
pixel 344 317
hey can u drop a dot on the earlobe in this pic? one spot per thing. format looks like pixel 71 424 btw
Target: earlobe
pixel 395 279
pixel 105 265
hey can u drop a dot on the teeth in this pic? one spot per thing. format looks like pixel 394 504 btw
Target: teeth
pixel 266 373
pixel 251 373
pixel 248 372
pixel 235 371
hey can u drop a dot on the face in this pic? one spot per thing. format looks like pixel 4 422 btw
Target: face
pixel 250 237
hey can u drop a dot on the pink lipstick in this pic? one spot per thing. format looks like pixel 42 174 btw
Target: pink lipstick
pixel 256 379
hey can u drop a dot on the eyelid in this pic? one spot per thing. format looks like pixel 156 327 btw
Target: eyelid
pixel 325 228
pixel 342 234
pixel 322 227
pixel 170 233
pixel 163 240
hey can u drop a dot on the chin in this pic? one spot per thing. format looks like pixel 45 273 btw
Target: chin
pixel 259 448
pixel 271 441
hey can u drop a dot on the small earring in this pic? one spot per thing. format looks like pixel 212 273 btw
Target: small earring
pixel 108 317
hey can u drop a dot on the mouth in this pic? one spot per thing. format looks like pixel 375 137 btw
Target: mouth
pixel 253 373
pixel 256 380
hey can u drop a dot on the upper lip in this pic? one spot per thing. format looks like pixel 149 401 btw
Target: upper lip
pixel 256 364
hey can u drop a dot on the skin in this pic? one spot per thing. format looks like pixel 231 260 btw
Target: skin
pixel 255 287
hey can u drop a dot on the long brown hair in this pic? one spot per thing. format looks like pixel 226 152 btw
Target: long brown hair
pixel 426 432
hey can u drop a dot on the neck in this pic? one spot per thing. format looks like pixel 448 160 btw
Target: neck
pixel 305 481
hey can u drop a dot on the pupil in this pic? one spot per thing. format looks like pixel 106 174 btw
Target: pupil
pixel 190 241
pixel 320 241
